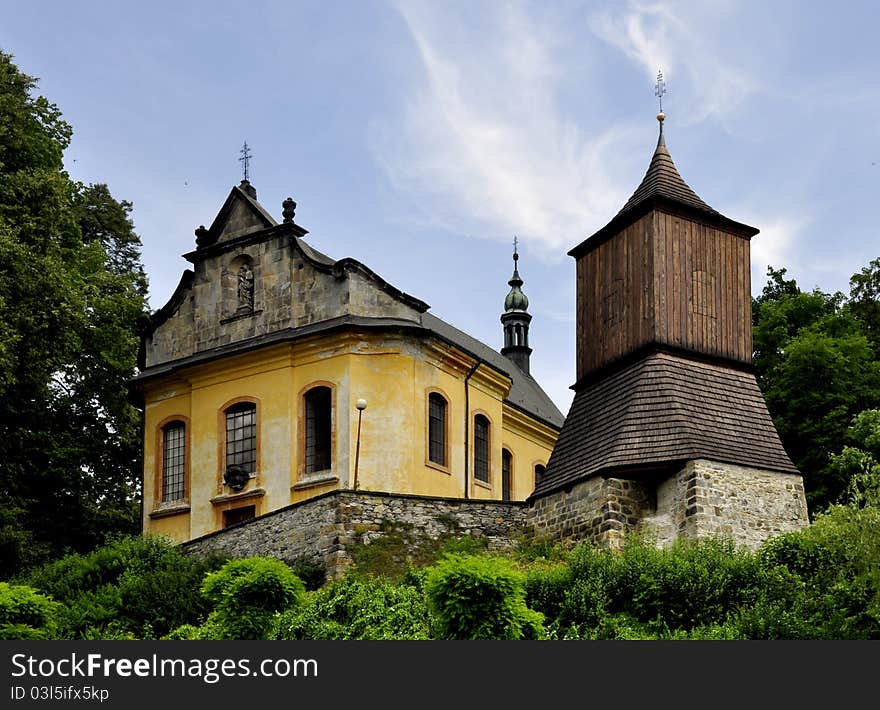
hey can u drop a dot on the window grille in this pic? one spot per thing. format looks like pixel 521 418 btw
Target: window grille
pixel 318 429
pixel 241 437
pixel 437 429
pixel 481 448
pixel 174 462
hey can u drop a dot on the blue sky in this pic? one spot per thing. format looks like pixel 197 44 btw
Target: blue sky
pixel 420 137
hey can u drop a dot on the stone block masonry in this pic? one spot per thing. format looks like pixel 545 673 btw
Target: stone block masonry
pixel 324 529
pixel 703 499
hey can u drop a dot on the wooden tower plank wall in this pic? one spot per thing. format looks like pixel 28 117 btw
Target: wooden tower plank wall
pixel 664 370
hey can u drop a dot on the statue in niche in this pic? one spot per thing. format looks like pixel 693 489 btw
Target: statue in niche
pixel 245 288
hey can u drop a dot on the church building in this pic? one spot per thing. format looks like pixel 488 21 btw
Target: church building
pixel 276 374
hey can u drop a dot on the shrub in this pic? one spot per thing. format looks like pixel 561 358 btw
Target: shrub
pixel 689 585
pixel 480 597
pixel 360 608
pixel 25 613
pixel 248 593
pixel 137 587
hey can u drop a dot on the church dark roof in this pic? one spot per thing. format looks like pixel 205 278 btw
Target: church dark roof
pixel 525 393
pixel 662 186
pixel 660 411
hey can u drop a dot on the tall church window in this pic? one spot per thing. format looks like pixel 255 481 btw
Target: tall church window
pixel 437 428
pixel 481 448
pixel 506 471
pixel 318 440
pixel 173 462
pixel 241 437
pixel 540 470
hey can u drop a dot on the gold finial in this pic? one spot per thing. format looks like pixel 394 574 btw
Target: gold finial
pixel 659 90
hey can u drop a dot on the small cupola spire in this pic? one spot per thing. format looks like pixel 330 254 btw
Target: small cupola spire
pixel 515 319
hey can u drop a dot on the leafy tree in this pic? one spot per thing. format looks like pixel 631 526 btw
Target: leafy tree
pixel 72 292
pixel 864 301
pixel 859 461
pixel 817 367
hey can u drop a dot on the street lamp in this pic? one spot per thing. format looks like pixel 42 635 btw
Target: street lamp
pixel 361 405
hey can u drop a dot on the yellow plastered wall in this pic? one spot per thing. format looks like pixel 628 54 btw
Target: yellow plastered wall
pixel 394 374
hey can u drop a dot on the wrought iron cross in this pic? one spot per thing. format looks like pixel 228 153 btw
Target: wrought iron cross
pixel 515 255
pixel 245 159
pixel 660 89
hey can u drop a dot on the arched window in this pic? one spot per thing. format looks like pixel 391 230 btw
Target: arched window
pixel 318 405
pixel 241 437
pixel 173 462
pixel 540 470
pixel 437 428
pixel 506 473
pixel 481 448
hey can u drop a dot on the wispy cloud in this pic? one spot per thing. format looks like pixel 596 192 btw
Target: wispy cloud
pixel 484 145
pixel 685 39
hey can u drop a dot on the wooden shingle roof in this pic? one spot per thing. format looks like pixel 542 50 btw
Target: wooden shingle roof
pixel 663 180
pixel 660 410
pixel 662 187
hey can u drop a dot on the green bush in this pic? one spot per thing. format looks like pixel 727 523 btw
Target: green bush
pixel 837 562
pixel 25 613
pixel 140 587
pixel 480 597
pixel 248 593
pixel 689 585
pixel 361 608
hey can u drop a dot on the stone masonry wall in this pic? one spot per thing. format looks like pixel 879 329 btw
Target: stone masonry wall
pixel 324 528
pixel 289 292
pixel 708 499
pixel 704 499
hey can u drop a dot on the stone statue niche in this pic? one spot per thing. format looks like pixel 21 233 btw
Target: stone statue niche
pixel 238 280
pixel 245 288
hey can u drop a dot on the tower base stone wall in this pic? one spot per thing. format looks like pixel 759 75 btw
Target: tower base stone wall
pixel 703 499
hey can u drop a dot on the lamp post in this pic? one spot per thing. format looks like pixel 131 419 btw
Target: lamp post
pixel 361 405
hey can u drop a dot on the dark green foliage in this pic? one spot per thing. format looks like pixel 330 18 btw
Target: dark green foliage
pixel 72 292
pixel 361 607
pixel 248 593
pixel 25 613
pixel 138 587
pixel 815 357
pixel 480 597
pixel 313 574
pixel 838 561
pixel 859 461
pixel 642 591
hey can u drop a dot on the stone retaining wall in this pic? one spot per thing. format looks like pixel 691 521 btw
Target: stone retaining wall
pixel 323 529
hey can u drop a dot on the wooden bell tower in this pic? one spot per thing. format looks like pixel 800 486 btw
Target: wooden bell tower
pixel 664 353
